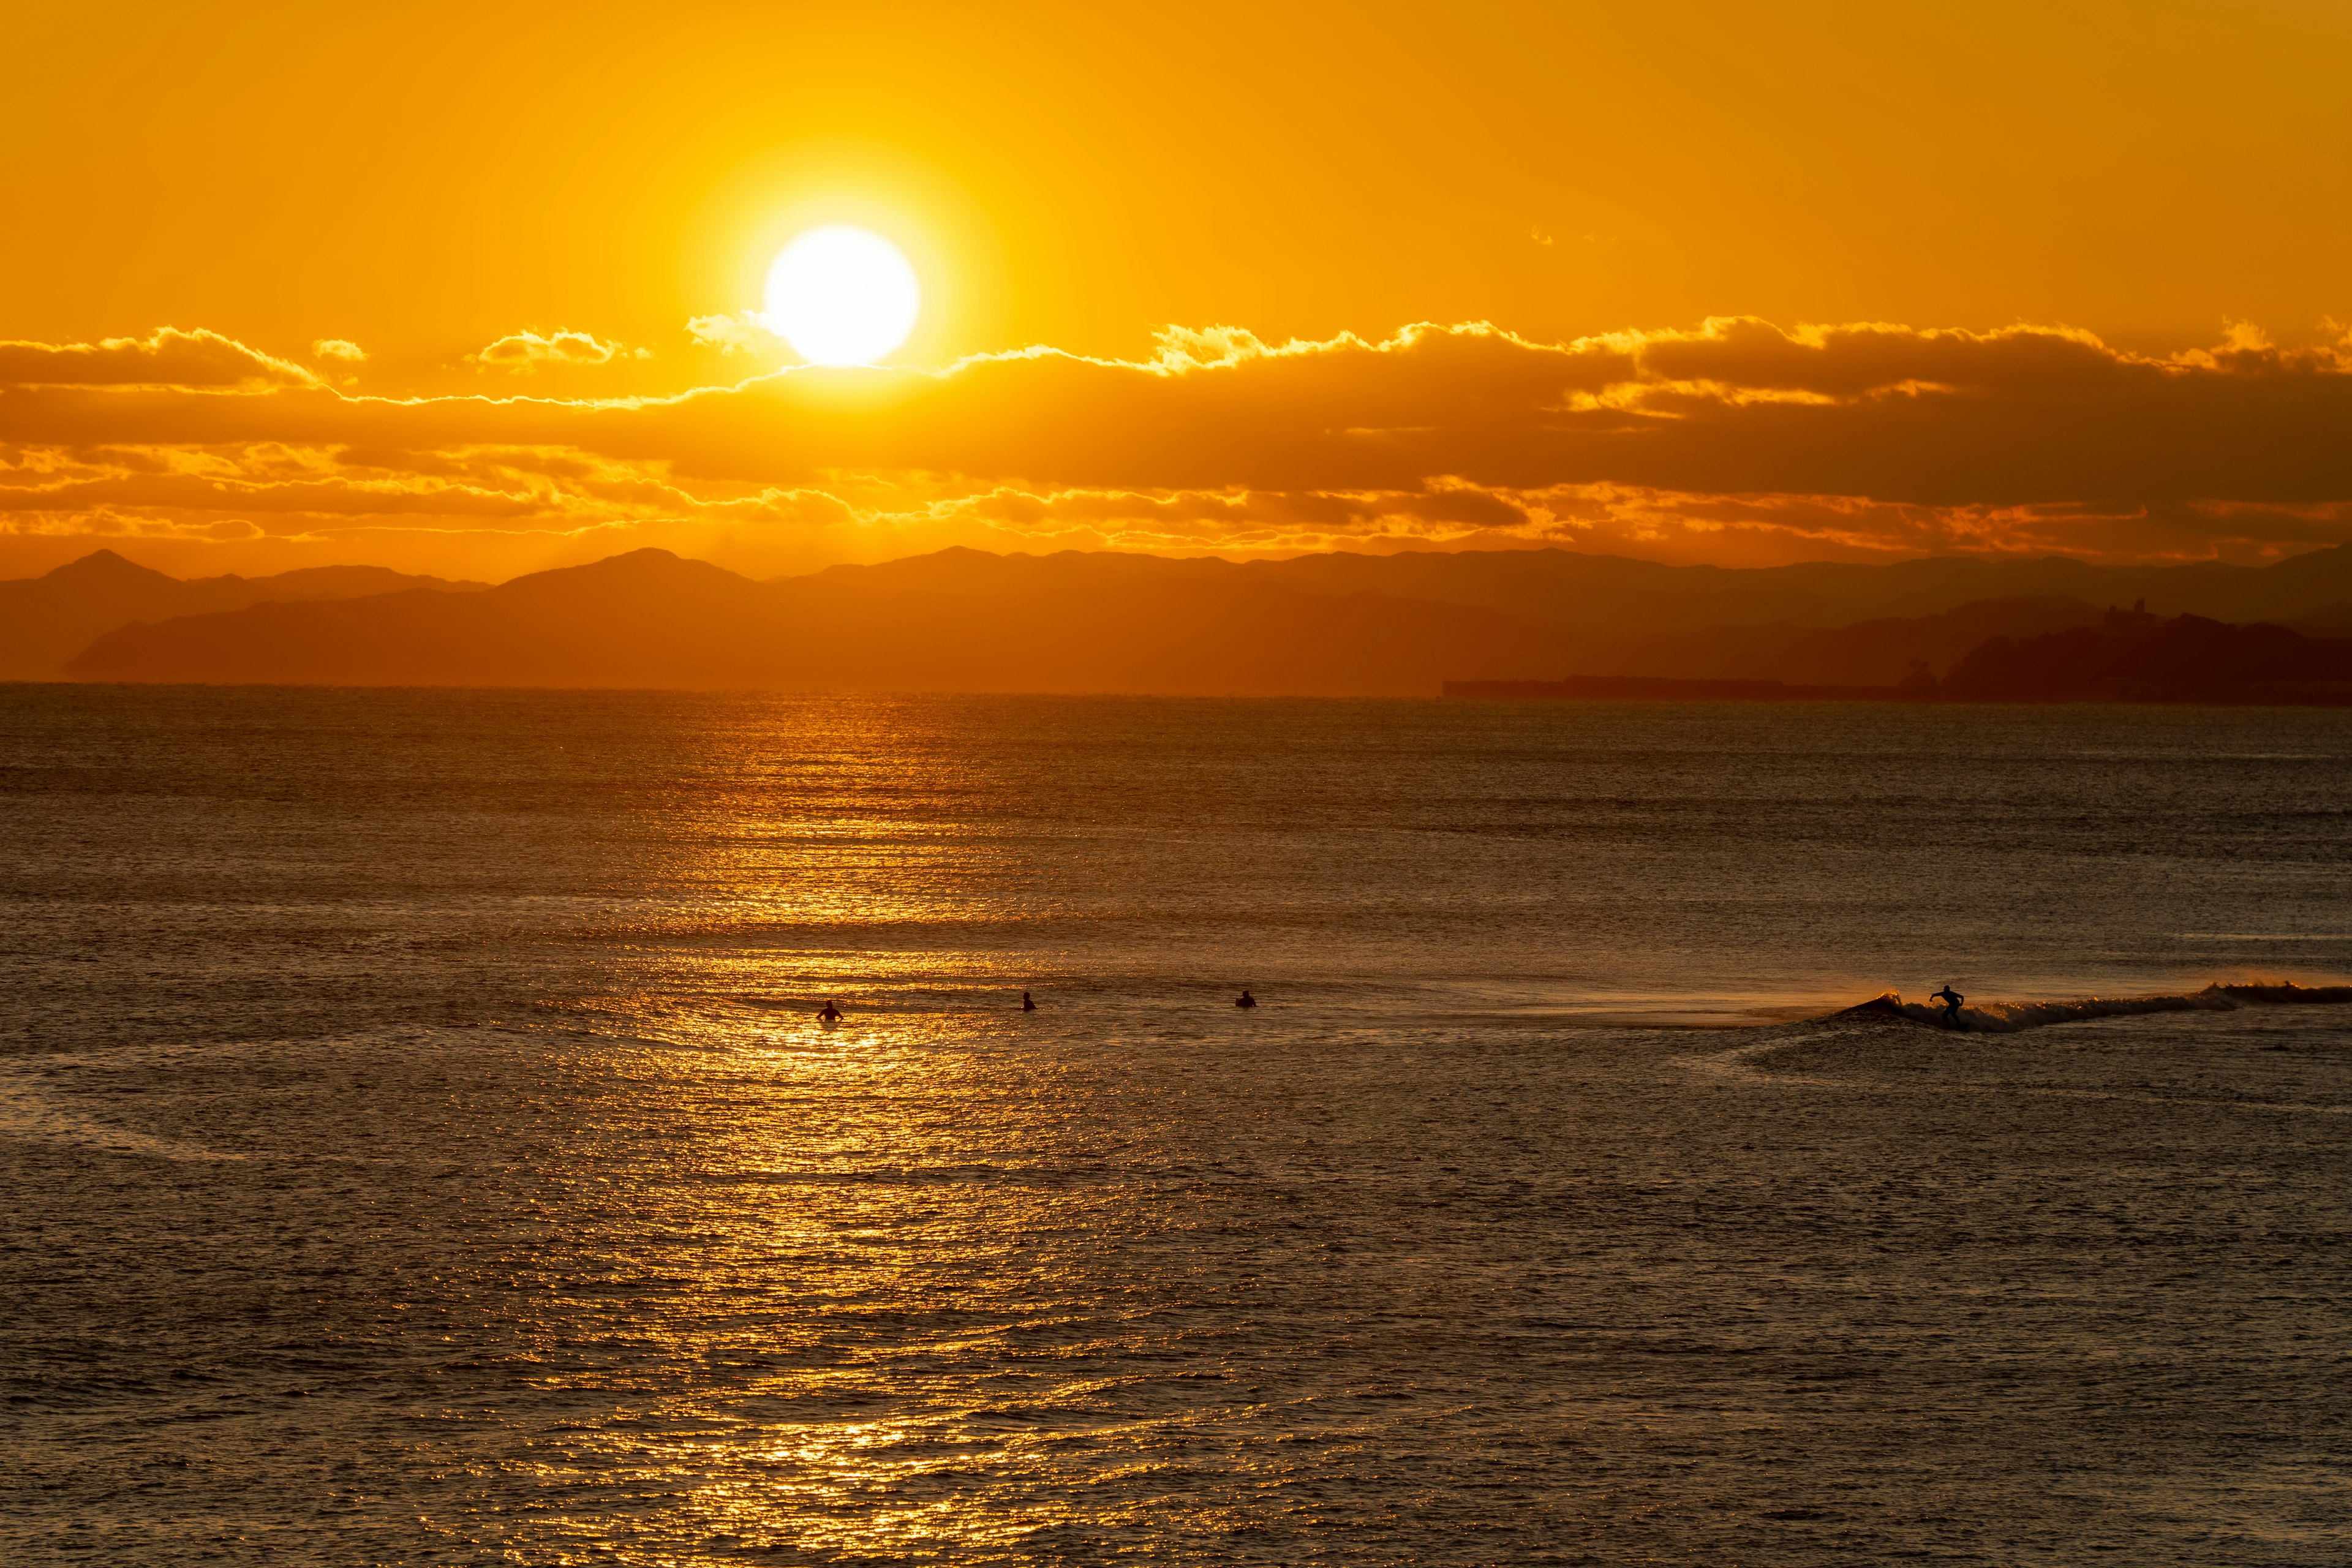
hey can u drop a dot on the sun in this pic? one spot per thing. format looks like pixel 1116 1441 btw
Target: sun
pixel 842 295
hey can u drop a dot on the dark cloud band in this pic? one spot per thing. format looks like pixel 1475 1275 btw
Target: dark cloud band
pixel 1867 436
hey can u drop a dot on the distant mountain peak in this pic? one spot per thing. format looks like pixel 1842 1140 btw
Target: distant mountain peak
pixel 652 558
pixel 104 566
pixel 650 570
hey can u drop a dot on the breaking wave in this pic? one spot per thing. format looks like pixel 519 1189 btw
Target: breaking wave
pixel 2008 1018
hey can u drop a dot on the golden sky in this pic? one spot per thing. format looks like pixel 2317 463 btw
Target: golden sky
pixel 450 288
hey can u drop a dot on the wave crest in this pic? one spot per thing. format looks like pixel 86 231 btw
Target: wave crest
pixel 2008 1018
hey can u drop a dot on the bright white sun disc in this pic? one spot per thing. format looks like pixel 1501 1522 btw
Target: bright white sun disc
pixel 841 295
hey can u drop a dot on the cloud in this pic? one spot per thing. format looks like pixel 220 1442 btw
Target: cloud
pixel 2016 418
pixel 166 358
pixel 526 351
pixel 337 348
pixel 1734 439
pixel 731 334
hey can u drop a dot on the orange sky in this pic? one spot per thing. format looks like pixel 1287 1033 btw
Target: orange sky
pixel 2103 247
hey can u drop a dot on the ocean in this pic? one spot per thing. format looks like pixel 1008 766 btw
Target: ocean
pixel 419 1146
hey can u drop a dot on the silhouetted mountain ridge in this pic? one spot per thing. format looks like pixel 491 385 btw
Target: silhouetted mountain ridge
pixel 651 619
pixel 964 619
pixel 44 620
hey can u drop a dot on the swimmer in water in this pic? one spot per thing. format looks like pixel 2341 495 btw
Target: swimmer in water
pixel 828 1013
pixel 1027 1006
pixel 1246 1000
pixel 1951 1000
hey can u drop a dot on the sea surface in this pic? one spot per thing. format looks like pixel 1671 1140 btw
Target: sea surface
pixel 417 1145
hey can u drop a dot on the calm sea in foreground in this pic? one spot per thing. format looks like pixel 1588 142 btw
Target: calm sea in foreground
pixel 417 1146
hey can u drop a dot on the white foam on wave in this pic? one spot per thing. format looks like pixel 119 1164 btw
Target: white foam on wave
pixel 2009 1017
pixel 1749 1061
pixel 32 1110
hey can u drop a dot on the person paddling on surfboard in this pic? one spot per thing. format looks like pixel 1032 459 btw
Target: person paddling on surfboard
pixel 1951 1000
pixel 828 1013
pixel 1246 1000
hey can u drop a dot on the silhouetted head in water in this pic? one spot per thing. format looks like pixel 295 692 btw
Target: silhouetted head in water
pixel 1026 1005
pixel 1246 1000
pixel 829 1013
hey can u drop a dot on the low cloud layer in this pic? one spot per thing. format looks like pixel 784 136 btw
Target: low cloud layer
pixel 1735 441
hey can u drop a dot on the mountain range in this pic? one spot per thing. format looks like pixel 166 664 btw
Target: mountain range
pixel 1095 621
pixel 44 621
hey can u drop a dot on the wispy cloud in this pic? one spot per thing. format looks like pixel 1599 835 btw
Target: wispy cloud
pixel 741 333
pixel 168 357
pixel 529 349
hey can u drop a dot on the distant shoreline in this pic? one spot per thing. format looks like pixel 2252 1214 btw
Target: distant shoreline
pixel 1667 689
pixel 1660 688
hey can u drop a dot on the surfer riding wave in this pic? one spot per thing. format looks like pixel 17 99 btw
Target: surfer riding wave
pixel 2005 1018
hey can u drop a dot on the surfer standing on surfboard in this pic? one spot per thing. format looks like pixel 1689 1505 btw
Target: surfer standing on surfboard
pixel 1951 1000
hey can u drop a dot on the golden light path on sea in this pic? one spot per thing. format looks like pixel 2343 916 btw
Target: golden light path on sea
pixel 828 1173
